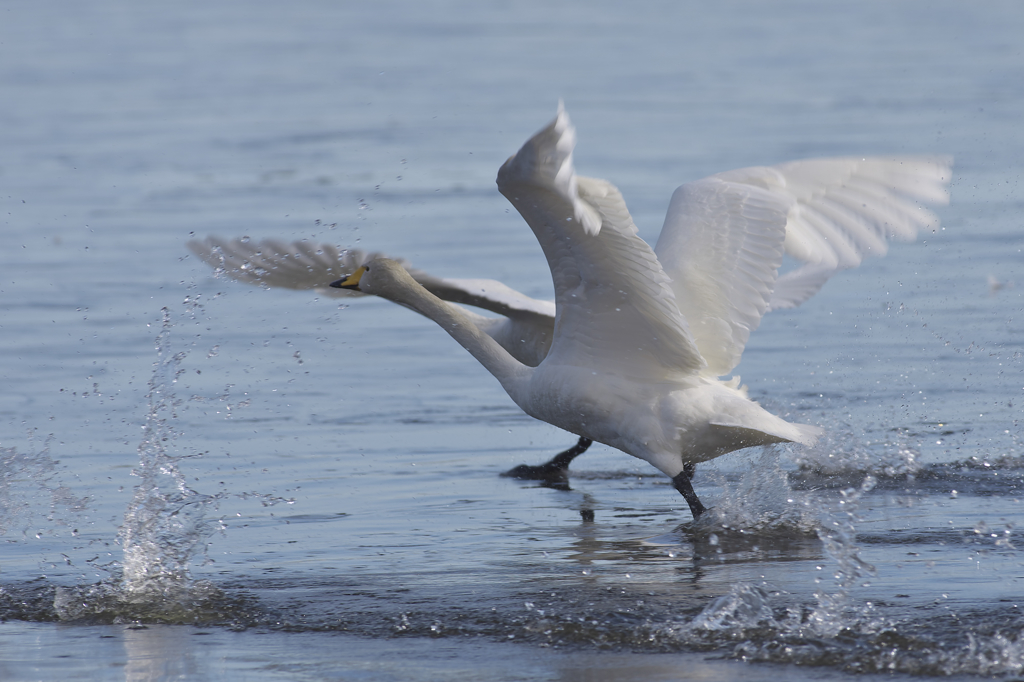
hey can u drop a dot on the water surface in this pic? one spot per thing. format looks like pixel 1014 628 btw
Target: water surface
pixel 310 490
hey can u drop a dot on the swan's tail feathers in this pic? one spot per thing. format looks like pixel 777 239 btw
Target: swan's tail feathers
pixel 735 436
pixel 809 434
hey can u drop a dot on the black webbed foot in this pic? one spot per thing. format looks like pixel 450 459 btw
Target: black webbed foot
pixel 546 474
pixel 554 473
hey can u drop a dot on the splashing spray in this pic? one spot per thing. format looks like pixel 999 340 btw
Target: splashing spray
pixel 165 525
pixel 838 536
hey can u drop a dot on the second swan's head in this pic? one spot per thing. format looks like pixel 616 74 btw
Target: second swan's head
pixel 381 276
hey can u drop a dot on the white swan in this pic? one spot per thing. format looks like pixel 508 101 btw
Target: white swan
pixel 625 368
pixel 721 246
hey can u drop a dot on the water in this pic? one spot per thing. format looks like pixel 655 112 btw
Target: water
pixel 263 484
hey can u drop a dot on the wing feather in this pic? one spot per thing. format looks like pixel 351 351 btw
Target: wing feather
pixel 309 265
pixel 835 212
pixel 881 199
pixel 525 330
pixel 722 245
pixel 796 286
pixel 615 308
pixel 271 263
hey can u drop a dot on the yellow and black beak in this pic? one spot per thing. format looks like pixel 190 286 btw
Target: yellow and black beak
pixel 350 282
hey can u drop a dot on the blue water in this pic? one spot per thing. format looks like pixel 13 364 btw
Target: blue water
pixel 327 474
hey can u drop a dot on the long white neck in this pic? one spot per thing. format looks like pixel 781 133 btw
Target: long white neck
pixel 512 374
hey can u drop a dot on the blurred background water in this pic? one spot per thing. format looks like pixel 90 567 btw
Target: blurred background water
pixel 313 488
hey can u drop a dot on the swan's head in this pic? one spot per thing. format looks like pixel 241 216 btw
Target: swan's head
pixel 381 277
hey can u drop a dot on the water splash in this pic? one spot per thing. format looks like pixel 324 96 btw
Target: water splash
pixel 23 475
pixel 165 528
pixel 758 624
pixel 744 608
pixel 838 535
pixel 762 503
pixel 843 457
pixel 747 607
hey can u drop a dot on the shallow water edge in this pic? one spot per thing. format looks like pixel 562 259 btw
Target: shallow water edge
pixel 134 652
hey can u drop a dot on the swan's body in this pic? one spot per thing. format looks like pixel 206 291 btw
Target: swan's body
pixel 668 415
pixel 638 339
pixel 625 367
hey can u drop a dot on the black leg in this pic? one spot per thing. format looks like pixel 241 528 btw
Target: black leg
pixel 689 469
pixel 685 488
pixel 555 472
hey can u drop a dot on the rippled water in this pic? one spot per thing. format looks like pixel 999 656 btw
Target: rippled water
pixel 202 480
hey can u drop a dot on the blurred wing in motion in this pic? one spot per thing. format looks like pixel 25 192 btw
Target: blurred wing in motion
pixel 849 208
pixel 716 244
pixel 525 330
pixel 271 263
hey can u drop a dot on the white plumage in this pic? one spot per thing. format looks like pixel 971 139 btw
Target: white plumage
pixel 631 354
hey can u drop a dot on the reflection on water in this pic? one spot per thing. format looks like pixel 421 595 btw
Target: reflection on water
pixel 142 653
pixel 164 654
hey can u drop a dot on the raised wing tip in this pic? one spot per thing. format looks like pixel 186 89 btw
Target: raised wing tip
pixel 545 160
pixel 563 128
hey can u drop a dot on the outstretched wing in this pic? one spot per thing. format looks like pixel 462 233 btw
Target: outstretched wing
pixel 308 265
pixel 271 263
pixel 848 208
pixel 615 309
pixel 719 242
pixel 525 330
